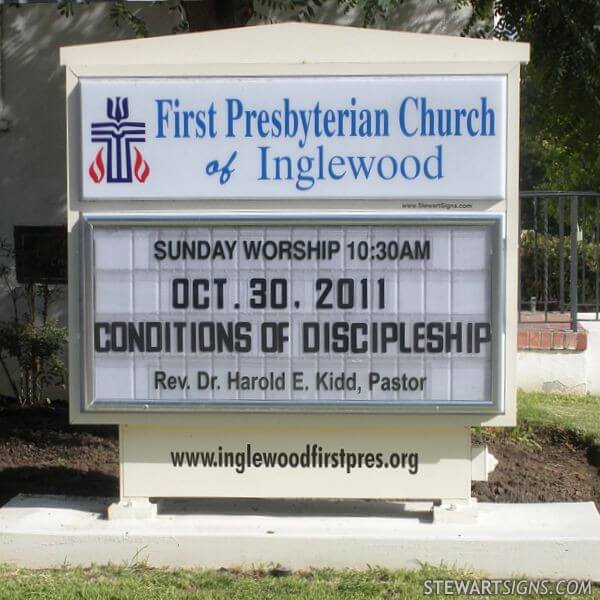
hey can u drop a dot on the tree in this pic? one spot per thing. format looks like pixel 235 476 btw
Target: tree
pixel 560 128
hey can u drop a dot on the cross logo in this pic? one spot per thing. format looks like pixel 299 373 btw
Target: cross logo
pixel 118 136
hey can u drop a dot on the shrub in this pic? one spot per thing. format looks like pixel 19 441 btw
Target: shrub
pixel 31 343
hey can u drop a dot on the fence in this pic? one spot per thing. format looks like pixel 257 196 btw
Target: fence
pixel 560 255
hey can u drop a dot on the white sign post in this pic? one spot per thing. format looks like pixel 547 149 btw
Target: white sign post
pixel 293 274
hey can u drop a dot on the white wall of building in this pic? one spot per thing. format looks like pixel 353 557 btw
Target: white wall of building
pixel 555 372
pixel 441 17
pixel 563 372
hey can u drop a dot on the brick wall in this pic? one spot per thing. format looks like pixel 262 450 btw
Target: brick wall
pixel 555 334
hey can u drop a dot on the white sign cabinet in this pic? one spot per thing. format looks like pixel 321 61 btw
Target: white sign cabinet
pixel 293 259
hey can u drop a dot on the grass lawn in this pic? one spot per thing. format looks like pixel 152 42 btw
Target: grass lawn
pixel 149 584
pixel 576 414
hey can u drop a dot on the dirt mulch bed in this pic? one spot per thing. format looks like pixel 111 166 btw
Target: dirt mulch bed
pixel 550 466
pixel 40 453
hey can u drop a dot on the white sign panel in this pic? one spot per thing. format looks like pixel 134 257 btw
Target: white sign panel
pixel 282 137
pixel 339 315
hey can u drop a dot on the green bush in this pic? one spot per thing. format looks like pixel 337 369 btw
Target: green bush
pixel 532 264
pixel 31 343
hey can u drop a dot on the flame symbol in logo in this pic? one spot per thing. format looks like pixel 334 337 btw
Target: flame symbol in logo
pixel 97 169
pixel 141 169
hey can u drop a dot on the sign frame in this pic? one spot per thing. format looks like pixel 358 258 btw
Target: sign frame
pixel 495 221
pixel 207 187
pixel 280 50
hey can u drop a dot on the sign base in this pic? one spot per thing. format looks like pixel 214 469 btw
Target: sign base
pixel 132 508
pixel 297 456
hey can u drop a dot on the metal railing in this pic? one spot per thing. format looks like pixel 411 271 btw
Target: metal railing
pixel 559 256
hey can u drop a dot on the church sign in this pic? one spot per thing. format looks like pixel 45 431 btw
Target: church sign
pixel 293 266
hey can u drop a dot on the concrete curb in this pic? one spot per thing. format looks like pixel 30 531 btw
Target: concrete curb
pixel 533 540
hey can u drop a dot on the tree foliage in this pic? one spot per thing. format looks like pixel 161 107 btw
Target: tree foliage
pixel 561 86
